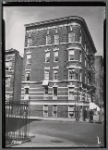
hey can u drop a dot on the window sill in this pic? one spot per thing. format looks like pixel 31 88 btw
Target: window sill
pixel 46 62
pixel 55 61
pixel 74 61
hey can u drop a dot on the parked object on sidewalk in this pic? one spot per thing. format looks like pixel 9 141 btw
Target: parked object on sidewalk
pixel 84 114
pixel 100 116
pixel 91 115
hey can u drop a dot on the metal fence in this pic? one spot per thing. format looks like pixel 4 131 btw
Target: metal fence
pixel 16 122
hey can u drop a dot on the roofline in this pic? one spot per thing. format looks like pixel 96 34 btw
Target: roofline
pixel 54 20
pixel 76 18
pixel 10 50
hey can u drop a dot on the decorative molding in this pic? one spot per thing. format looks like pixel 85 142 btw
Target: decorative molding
pixel 46 68
pixel 27 69
pixel 73 47
pixel 56 67
pixel 55 49
pixel 54 27
pixel 73 66
pixel 47 50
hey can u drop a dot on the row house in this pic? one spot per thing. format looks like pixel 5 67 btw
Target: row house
pixel 58 67
pixel 13 75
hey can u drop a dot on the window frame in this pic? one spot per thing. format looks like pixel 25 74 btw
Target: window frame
pixel 69 74
pixel 48 39
pixel 7 83
pixel 71 37
pixel 29 41
pixel 46 72
pixel 55 72
pixel 71 51
pixel 28 59
pixel 71 97
pixel 27 73
pixel 56 52
pixel 47 57
pixel 56 39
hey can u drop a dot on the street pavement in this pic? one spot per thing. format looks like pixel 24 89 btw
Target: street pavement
pixel 52 133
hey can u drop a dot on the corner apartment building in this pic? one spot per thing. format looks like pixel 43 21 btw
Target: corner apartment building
pixel 58 68
pixel 99 79
pixel 13 75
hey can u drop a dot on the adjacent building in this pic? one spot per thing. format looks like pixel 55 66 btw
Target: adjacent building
pixel 13 75
pixel 58 68
pixel 99 78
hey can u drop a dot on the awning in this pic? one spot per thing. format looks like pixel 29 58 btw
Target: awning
pixel 94 106
pixel 45 83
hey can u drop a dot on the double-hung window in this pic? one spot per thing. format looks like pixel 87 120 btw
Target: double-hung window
pixel 29 41
pixel 47 57
pixel 71 37
pixel 55 93
pixel 70 94
pixel 56 39
pixel 48 39
pixel 55 75
pixel 7 81
pixel 71 74
pixel 27 76
pixel 46 75
pixel 28 59
pixel 56 56
pixel 71 55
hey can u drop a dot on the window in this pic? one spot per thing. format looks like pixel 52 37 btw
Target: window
pixel 29 41
pixel 80 56
pixel 7 96
pixel 80 76
pixel 26 90
pixel 85 78
pixel 85 62
pixel 7 81
pixel 54 111
pixel 47 57
pixel 8 65
pixel 71 74
pixel 55 75
pixel 48 39
pixel 28 61
pixel 71 37
pixel 45 111
pixel 27 76
pixel 56 39
pixel 71 55
pixel 71 112
pixel 46 90
pixel 80 39
pixel 55 91
pixel 76 76
pixel 46 75
pixel 55 56
pixel 70 94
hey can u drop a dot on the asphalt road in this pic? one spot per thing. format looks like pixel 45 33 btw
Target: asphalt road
pixel 81 133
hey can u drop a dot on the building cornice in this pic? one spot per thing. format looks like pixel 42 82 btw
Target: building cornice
pixel 78 20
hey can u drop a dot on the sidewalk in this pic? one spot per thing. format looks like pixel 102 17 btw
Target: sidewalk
pixel 57 119
pixel 46 141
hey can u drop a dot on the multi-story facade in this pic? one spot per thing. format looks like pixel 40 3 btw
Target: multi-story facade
pixel 13 75
pixel 58 68
pixel 99 78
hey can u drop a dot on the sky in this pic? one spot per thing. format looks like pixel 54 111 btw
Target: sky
pixel 16 17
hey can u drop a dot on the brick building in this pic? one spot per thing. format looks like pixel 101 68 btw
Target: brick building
pixel 99 78
pixel 58 67
pixel 13 74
